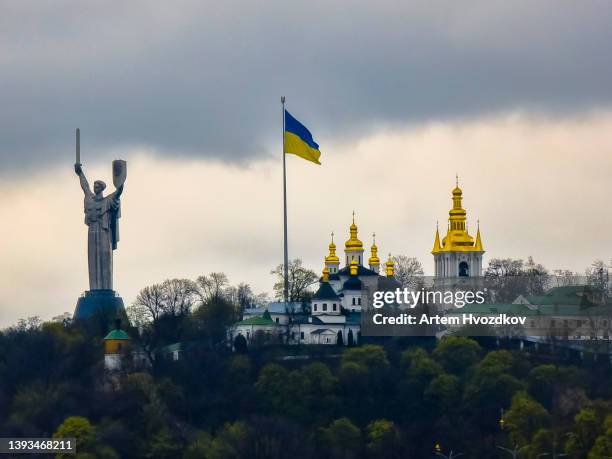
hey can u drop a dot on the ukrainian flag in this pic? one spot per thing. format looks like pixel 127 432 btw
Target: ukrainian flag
pixel 298 140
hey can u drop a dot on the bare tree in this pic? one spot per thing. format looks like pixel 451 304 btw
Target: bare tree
pixel 172 297
pixel 300 281
pixel 506 278
pixel 149 303
pixel 179 296
pixel 597 277
pixel 564 278
pixel 212 287
pixel 408 272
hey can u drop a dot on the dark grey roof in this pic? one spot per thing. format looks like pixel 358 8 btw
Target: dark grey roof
pixel 353 283
pixel 276 307
pixel 325 292
pixel 388 283
pixel 304 319
pixel 361 271
pixel 318 331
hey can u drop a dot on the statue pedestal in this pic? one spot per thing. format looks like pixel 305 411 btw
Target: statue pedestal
pixel 103 305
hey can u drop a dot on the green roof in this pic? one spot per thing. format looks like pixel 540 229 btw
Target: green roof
pixel 266 319
pixel 117 334
pixel 173 347
pixel 576 295
pixel 543 310
pixel 571 300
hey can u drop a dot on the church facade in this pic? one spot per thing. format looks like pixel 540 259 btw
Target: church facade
pixel 333 316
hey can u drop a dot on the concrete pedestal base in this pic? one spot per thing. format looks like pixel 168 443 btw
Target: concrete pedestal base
pixel 103 305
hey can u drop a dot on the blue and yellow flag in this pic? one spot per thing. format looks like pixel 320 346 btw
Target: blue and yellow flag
pixel 298 140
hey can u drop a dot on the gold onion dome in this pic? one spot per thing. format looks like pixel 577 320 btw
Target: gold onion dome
pixel 353 242
pixel 457 237
pixel 325 275
pixel 374 260
pixel 332 257
pixel 390 266
pixel 354 267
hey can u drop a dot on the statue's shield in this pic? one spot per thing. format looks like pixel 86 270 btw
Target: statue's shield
pixel 119 172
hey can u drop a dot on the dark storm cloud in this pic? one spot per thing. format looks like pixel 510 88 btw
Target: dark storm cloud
pixel 196 78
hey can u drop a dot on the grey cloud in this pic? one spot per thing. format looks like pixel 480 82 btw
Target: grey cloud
pixel 194 78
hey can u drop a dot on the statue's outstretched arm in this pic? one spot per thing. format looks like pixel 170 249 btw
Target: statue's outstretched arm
pixel 84 183
pixel 118 192
pixel 115 195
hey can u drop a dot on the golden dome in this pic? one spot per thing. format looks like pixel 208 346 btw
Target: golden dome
pixel 332 257
pixel 457 237
pixel 353 243
pixel 325 274
pixel 374 260
pixel 390 267
pixel 353 268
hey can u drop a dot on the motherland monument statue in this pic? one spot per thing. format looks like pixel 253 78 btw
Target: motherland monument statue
pixel 102 215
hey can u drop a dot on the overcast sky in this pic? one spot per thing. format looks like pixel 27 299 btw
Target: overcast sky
pixel 514 96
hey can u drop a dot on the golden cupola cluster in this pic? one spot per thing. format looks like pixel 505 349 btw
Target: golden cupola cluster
pixel 457 237
pixel 354 253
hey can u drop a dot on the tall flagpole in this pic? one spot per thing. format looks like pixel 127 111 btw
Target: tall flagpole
pixel 286 264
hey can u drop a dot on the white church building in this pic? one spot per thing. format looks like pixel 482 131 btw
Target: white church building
pixel 333 316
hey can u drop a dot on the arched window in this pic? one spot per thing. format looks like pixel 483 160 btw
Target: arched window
pixel 464 269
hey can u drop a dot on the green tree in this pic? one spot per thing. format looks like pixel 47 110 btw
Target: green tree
pixel 524 418
pixel 278 388
pixel 491 386
pixel 200 447
pixel 422 370
pixel 603 444
pixel 383 440
pixel 541 381
pixel 162 445
pixel 81 430
pixel 444 391
pixel 457 354
pixel 212 319
pixel 587 427
pixel 343 438
pixel 371 356
pixel 232 442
